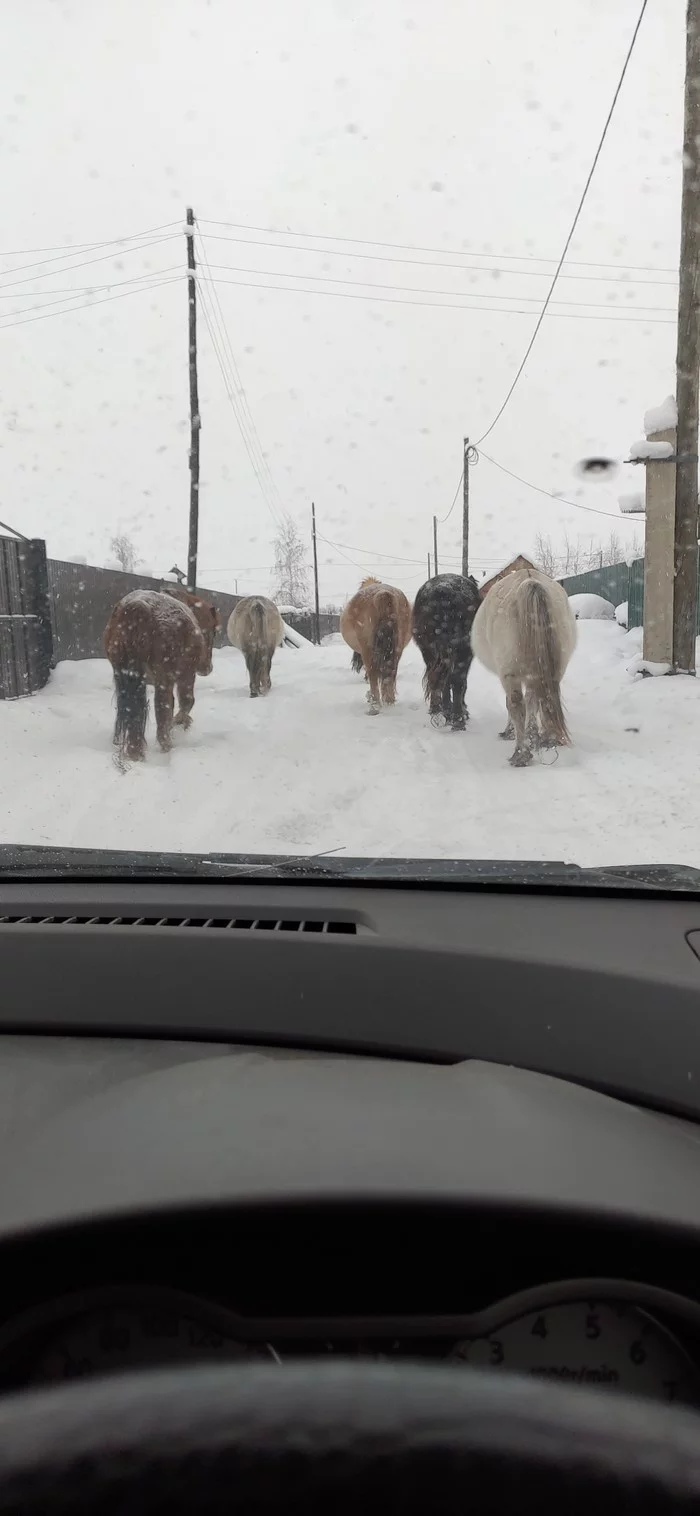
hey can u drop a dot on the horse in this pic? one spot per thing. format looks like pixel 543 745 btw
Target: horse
pixel 376 624
pixel 162 640
pixel 256 627
pixel 443 612
pixel 525 632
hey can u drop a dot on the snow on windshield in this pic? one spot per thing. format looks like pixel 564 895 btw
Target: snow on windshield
pixel 344 364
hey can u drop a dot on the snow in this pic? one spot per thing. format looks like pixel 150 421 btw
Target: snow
pixel 113 563
pixel 293 638
pixel 305 771
pixel 632 504
pixel 591 608
pixel 661 418
pixel 622 614
pixel 645 451
pixel 166 608
pixel 76 558
pixel 645 666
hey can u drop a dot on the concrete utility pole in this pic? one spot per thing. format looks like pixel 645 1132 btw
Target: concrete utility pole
pixel 195 422
pixel 435 555
pixel 688 365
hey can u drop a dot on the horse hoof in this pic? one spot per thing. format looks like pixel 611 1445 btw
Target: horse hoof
pixel 459 726
pixel 372 710
pixel 520 760
pixel 254 694
pixel 507 734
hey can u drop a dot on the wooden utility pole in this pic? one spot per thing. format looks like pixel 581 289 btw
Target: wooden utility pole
pixel 195 421
pixel 429 573
pixel 465 510
pixel 435 555
pixel 316 610
pixel 688 365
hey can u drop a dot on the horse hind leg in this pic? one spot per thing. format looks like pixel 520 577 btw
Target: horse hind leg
pixel 163 702
pixel 515 700
pixel 460 714
pixel 185 700
pixel 373 693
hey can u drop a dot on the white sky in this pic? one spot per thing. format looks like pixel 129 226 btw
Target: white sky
pixel 441 124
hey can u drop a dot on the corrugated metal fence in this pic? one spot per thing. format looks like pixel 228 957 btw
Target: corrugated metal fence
pixel 82 598
pixel 619 582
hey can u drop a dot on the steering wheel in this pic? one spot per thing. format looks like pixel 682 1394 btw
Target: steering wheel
pixel 341 1439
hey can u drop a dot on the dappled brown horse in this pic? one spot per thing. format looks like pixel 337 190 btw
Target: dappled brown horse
pixel 376 624
pixel 163 640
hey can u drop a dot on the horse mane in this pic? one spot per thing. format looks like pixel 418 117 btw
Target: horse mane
pixel 371 579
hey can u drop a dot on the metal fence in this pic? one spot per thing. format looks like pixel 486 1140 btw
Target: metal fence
pixel 635 599
pixel 25 624
pixel 612 582
pixel 83 597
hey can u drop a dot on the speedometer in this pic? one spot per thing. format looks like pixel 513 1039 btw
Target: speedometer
pixel 110 1330
pixel 588 1342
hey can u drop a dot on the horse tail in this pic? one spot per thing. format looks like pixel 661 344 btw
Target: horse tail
pixel 356 663
pixel 542 656
pixel 385 646
pixel 132 713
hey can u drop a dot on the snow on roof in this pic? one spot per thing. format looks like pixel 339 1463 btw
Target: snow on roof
pixel 494 572
pixel 644 451
pixel 660 418
pixel 632 504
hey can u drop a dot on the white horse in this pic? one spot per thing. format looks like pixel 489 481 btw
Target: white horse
pixel 525 632
pixel 255 626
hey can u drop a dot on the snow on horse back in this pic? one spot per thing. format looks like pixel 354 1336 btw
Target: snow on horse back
pixel 525 632
pixel 163 640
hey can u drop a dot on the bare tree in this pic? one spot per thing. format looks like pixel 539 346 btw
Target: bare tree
pixel 124 552
pixel 566 557
pixel 291 576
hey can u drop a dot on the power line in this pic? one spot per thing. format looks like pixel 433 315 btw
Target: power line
pixel 239 386
pixel 589 509
pixel 443 519
pixel 87 305
pixel 240 422
pixel 446 251
pixel 67 269
pixel 409 289
pixel 82 247
pixel 464 268
pixel 445 305
pixel 572 229
pixel 76 294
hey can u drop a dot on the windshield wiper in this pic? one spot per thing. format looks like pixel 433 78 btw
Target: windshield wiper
pixel 76 864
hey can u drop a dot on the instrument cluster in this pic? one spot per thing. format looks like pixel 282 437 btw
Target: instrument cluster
pixel 610 1335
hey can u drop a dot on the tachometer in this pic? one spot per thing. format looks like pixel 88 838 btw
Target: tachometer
pixel 588 1342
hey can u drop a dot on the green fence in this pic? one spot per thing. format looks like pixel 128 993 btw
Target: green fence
pixel 612 582
pixel 635 599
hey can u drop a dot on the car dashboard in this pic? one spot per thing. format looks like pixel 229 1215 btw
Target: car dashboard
pixel 430 1137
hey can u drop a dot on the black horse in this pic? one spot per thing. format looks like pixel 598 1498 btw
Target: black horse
pixel 443 613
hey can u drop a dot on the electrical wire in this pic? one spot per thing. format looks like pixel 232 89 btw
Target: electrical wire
pixel 588 509
pixel 409 289
pixel 447 252
pixel 445 305
pixel 82 247
pixel 572 229
pixel 238 383
pixel 68 269
pixel 87 305
pixel 464 268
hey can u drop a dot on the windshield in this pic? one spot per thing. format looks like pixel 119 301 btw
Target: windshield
pixel 350 434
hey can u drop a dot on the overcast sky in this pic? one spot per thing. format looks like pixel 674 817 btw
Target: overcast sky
pixel 431 124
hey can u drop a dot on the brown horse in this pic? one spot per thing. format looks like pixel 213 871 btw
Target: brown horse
pixel 255 626
pixel 376 624
pixel 162 640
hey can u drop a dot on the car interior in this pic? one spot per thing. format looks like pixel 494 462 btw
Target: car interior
pixel 347 1191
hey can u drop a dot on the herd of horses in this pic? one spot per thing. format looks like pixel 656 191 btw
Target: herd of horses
pixel 522 629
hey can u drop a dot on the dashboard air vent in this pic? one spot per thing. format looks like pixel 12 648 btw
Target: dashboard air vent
pixel 235 923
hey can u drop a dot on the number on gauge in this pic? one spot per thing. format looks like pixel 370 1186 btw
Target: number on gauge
pixel 594 1343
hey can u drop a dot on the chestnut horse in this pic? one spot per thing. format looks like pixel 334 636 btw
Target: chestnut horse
pixel 376 624
pixel 162 640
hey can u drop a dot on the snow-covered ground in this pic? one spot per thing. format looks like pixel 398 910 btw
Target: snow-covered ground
pixel 306 770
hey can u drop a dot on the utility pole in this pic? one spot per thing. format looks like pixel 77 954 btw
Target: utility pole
pixel 435 555
pixel 195 421
pixel 429 573
pixel 316 610
pixel 465 511
pixel 688 364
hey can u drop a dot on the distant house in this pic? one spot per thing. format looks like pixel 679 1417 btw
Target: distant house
pixel 519 562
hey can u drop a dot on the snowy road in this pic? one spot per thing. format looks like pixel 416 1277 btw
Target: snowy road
pixel 306 770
